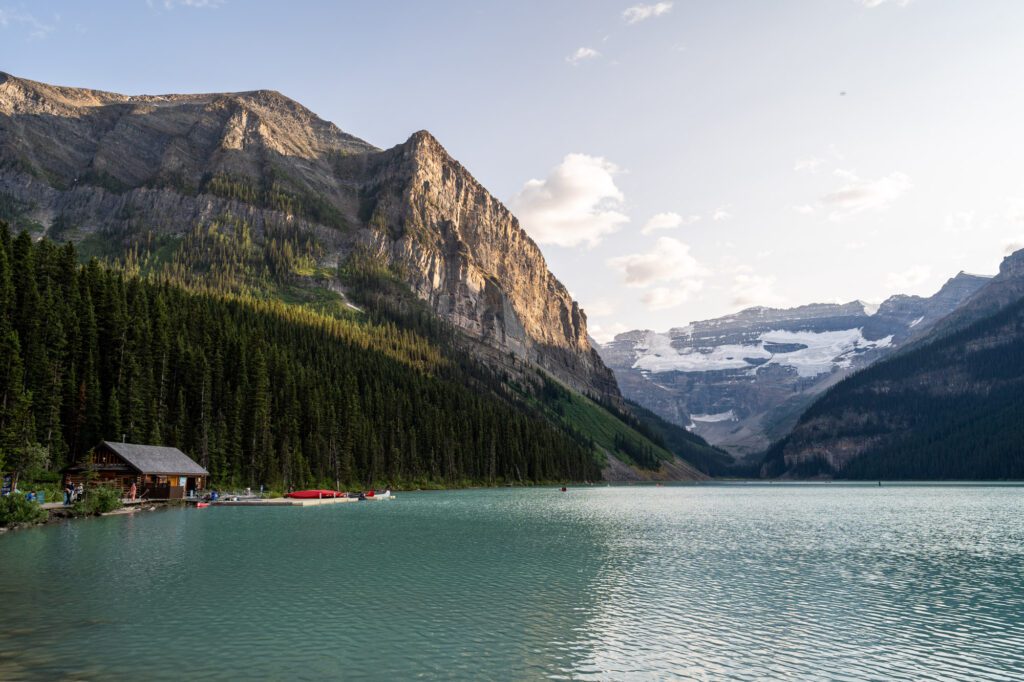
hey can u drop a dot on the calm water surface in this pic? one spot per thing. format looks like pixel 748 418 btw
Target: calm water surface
pixel 707 582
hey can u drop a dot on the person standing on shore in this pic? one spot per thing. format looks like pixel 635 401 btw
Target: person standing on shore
pixel 132 491
pixel 68 492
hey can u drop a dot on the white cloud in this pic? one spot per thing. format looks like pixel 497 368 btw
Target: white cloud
pixel 663 298
pixel 668 221
pixel 669 261
pixel 908 279
pixel 1013 245
pixel 576 204
pixel 804 209
pixel 582 54
pixel 1015 210
pixel 858 195
pixel 811 165
pixel 600 307
pixel 721 214
pixel 959 222
pixel 606 333
pixel 638 13
pixel 749 288
pixel 854 246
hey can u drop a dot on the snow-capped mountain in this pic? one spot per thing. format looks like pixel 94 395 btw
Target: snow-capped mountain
pixel 742 380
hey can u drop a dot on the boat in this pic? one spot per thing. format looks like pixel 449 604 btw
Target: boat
pixel 201 505
pixel 315 494
pixel 376 495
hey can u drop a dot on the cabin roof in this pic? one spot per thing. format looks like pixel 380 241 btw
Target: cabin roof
pixel 156 459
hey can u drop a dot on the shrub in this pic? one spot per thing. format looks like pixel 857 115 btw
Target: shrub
pixel 99 499
pixel 16 509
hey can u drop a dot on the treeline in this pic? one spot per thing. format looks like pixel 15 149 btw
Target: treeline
pixel 691 447
pixel 256 391
pixel 642 454
pixel 953 409
pixel 275 190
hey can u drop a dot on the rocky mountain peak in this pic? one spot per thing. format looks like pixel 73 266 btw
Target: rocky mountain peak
pixel 473 261
pixel 105 163
pixel 1013 265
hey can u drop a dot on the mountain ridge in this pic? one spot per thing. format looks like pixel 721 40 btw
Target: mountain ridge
pixel 948 405
pixel 742 380
pixel 77 163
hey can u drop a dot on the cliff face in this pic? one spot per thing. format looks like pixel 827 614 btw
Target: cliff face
pixel 466 254
pixel 82 164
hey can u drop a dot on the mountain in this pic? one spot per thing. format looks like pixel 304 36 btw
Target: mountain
pixel 950 406
pixel 251 199
pixel 741 381
pixel 258 392
pixel 133 174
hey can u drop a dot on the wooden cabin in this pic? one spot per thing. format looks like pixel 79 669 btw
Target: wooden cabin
pixel 159 473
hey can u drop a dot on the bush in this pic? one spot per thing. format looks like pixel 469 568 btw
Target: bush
pixel 99 499
pixel 16 509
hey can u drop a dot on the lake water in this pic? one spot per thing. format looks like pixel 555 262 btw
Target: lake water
pixel 704 582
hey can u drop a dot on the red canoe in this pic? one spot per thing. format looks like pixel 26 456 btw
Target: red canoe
pixel 314 494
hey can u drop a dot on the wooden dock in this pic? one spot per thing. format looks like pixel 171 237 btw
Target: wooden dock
pixel 284 502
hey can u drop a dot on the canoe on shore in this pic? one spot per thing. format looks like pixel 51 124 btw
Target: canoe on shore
pixel 315 494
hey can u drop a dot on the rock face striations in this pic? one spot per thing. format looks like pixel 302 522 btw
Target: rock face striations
pixel 82 164
pixel 466 253
pixel 741 381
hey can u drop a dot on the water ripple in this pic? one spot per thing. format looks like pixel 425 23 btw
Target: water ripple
pixel 698 583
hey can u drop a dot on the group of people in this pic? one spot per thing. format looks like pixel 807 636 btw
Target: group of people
pixel 72 493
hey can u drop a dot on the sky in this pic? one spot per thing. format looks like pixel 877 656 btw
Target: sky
pixel 675 160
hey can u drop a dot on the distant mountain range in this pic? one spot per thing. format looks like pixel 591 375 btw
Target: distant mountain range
pixel 950 405
pixel 741 381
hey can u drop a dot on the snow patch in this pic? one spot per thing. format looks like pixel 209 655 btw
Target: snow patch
pixel 729 416
pixel 823 351
pixel 916 322
pixel 869 308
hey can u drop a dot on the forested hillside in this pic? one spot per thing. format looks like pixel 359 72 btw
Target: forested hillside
pixel 951 409
pixel 203 352
pixel 257 391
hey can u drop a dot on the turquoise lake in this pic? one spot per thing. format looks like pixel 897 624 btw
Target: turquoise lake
pixel 748 582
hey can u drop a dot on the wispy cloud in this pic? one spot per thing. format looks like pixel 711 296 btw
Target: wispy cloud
pixel 961 222
pixel 576 204
pixel 857 195
pixel 606 333
pixel 582 54
pixel 749 288
pixel 668 221
pixel 638 13
pixel 810 165
pixel 721 214
pixel 197 4
pixel 663 298
pixel 907 279
pixel 36 28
